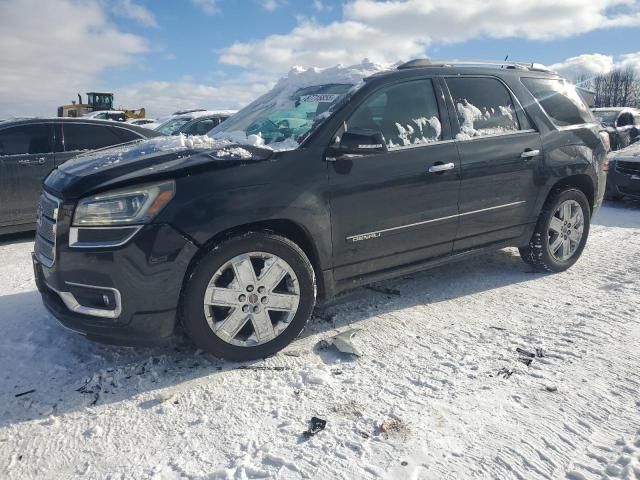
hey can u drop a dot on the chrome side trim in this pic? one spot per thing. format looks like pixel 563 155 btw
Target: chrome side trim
pixel 377 233
pixel 74 243
pixel 72 304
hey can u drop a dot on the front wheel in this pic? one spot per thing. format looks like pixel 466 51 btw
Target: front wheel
pixel 561 232
pixel 249 296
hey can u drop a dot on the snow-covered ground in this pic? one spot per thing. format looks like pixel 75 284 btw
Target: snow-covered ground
pixel 437 351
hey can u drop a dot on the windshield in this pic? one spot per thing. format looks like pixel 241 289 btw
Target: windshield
pixel 606 117
pixel 172 125
pixel 283 119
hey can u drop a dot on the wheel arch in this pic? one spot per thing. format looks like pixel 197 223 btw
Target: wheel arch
pixel 284 227
pixel 582 182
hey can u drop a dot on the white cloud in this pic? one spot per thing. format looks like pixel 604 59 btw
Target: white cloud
pixel 320 6
pixel 133 11
pixel 592 64
pixel 583 66
pixel 271 5
pixel 390 30
pixel 52 50
pixel 210 7
pixel 164 98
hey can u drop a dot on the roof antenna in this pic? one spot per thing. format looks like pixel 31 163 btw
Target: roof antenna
pixel 505 59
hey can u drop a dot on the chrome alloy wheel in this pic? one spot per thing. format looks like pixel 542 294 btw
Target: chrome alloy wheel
pixel 251 299
pixel 565 230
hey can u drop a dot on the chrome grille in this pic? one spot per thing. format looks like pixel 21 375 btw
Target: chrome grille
pixel 46 229
pixel 630 168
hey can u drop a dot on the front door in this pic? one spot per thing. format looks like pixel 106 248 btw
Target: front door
pixel 396 207
pixel 26 158
pixel 500 157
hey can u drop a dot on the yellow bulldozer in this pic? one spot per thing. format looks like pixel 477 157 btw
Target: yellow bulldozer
pixel 97 102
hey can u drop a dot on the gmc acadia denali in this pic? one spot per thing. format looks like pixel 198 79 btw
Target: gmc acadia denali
pixel 334 179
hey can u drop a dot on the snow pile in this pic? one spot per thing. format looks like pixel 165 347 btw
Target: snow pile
pixel 496 122
pixel 440 390
pixel 280 97
pixel 418 135
pixel 236 152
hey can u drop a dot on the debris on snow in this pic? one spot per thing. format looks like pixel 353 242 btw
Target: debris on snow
pixel 393 426
pixel 344 342
pixel 551 388
pixel 525 353
pixel 505 372
pixel 315 425
pixel 277 368
pixel 21 394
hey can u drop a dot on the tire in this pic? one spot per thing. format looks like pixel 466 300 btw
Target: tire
pixel 231 259
pixel 542 253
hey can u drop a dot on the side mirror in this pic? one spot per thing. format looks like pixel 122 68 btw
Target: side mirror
pixel 362 141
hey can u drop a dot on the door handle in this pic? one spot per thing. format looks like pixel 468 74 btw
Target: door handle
pixel 443 167
pixel 344 156
pixel 528 153
pixel 25 161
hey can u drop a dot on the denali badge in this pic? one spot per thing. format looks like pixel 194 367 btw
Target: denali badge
pixel 365 236
pixel 375 145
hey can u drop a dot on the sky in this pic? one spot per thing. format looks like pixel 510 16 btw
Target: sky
pixel 166 55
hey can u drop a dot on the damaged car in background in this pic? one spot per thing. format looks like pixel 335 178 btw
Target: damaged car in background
pixel 622 124
pixel 336 178
pixel 623 177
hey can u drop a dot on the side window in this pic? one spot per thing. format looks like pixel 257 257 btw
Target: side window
pixel 625 120
pixel 88 137
pixel 406 115
pixel 202 127
pixel 101 116
pixel 125 135
pixel 559 100
pixel 484 107
pixel 26 139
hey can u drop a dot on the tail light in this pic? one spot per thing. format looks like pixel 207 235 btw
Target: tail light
pixel 606 141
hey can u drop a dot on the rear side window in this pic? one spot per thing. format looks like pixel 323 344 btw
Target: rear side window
pixel 484 107
pixel 125 135
pixel 560 101
pixel 201 127
pixel 25 140
pixel 88 137
pixel 406 115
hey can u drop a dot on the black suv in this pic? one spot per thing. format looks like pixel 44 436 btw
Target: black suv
pixel 328 182
pixel 30 149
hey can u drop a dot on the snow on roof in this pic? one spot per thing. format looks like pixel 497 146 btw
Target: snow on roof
pixel 300 77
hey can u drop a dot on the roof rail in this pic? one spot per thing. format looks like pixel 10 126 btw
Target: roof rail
pixel 425 62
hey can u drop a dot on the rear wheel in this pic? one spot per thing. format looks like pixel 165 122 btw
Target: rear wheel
pixel 561 232
pixel 249 296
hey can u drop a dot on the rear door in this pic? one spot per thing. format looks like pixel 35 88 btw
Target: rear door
pixel 388 209
pixel 26 158
pixel 500 157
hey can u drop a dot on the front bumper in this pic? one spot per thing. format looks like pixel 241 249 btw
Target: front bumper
pixel 139 282
pixel 619 183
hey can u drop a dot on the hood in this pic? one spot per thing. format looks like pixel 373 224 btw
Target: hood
pixel 147 160
pixel 629 154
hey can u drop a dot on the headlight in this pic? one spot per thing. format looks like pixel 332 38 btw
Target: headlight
pixel 128 206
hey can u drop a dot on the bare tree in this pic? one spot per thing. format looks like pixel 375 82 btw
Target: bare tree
pixel 618 88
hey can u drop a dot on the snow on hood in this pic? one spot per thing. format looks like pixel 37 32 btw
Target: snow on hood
pixel 279 97
pixel 109 157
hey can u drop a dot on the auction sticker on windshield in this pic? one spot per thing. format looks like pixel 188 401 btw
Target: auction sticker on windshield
pixel 319 98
